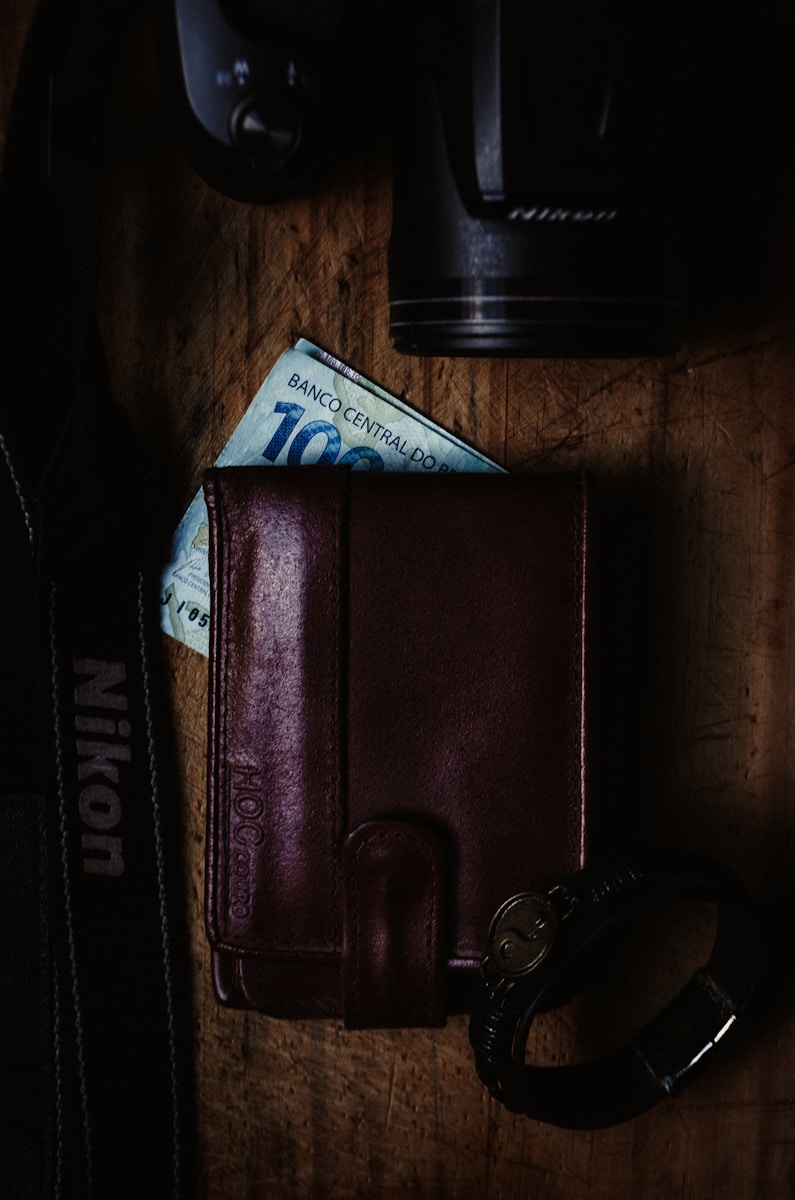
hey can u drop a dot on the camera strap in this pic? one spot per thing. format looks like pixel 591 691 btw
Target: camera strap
pixel 94 1008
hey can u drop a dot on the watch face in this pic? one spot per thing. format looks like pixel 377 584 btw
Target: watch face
pixel 522 934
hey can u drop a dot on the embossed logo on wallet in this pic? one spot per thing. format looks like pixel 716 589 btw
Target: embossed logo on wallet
pixel 246 834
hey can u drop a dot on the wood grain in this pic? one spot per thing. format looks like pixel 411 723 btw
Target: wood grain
pixel 693 456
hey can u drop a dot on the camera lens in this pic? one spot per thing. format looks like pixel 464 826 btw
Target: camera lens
pixel 557 280
pixel 530 214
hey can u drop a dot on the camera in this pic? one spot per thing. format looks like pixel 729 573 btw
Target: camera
pixel 252 88
pixel 542 153
pixel 532 211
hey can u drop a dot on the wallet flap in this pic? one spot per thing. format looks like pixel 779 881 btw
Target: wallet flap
pixel 275 819
pixel 393 901
pixel 465 705
pixel 392 652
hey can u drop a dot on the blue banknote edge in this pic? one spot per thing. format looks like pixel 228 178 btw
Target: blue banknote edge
pixel 197 636
pixel 336 364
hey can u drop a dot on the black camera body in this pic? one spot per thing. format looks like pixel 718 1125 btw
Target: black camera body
pixel 251 85
pixel 542 153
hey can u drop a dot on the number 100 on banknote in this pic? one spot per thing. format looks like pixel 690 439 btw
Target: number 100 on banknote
pixel 312 409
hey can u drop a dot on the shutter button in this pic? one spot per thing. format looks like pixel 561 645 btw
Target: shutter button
pixel 266 128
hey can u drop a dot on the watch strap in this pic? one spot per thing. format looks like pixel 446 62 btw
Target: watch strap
pixel 662 1056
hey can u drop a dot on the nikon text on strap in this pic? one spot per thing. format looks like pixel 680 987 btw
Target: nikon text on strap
pixel 93 1014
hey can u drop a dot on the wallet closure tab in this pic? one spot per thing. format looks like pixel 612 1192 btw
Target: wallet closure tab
pixel 392 965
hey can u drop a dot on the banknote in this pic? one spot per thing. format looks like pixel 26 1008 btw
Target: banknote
pixel 311 409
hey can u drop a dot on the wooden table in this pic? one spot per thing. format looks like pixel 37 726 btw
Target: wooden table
pixel 693 455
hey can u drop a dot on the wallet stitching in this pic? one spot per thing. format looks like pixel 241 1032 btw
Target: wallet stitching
pixel 222 829
pixel 578 670
pixel 574 702
pixel 395 836
pixel 334 731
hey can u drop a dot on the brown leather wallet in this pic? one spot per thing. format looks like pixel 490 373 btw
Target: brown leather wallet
pixel 398 733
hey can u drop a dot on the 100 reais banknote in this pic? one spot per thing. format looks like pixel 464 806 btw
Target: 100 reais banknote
pixel 311 409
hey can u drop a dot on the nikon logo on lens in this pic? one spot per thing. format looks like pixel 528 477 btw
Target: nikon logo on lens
pixel 561 214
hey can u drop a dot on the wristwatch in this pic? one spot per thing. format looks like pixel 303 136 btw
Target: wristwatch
pixel 542 944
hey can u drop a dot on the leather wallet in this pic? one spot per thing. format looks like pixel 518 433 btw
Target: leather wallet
pixel 398 729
